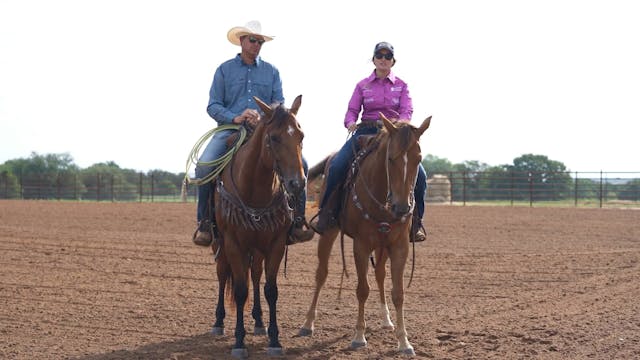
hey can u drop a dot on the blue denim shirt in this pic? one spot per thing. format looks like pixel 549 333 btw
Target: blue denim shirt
pixel 234 85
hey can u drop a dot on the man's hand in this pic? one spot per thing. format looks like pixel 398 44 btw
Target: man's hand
pixel 249 115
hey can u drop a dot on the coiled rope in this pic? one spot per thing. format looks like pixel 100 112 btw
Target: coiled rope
pixel 218 164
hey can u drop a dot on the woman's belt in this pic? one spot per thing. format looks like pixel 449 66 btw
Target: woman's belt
pixel 369 124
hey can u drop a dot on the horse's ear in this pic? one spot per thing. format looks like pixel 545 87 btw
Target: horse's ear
pixel 296 105
pixel 424 126
pixel 386 122
pixel 266 108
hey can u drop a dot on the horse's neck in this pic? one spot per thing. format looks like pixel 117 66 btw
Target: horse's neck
pixel 252 177
pixel 373 172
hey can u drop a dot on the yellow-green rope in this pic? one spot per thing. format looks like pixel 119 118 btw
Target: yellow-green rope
pixel 218 163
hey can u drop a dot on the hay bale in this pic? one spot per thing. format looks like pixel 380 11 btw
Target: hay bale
pixel 438 189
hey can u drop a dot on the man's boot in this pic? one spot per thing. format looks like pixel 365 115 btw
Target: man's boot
pixel 207 232
pixel 298 234
pixel 203 235
pixel 417 230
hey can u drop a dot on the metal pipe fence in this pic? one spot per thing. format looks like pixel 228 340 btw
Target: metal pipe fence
pixel 596 189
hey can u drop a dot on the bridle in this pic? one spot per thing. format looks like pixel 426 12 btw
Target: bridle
pixel 383 226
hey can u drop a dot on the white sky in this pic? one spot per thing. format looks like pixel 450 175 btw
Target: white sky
pixel 128 80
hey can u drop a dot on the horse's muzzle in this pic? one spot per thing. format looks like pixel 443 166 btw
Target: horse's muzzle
pixel 295 186
pixel 400 210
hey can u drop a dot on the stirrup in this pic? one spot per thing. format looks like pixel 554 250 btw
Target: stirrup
pixel 418 232
pixel 323 220
pixel 205 233
pixel 297 233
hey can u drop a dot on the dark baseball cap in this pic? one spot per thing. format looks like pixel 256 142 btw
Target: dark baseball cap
pixel 383 45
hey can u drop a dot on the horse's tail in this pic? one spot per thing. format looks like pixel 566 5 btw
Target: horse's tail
pixel 228 289
pixel 318 169
pixel 229 293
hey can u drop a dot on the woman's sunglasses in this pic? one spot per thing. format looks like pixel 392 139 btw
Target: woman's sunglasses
pixel 256 40
pixel 387 56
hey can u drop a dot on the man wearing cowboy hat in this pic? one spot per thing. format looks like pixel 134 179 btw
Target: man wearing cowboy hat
pixel 235 83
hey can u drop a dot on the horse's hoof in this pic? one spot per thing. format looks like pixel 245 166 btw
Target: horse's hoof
pixel 216 330
pixel 240 353
pixel 388 327
pixel 305 332
pixel 358 344
pixel 275 351
pixel 408 351
pixel 259 330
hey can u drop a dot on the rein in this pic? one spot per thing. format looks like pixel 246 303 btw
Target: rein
pixel 270 217
pixel 383 226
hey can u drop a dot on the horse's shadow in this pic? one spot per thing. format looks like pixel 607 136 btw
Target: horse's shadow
pixel 208 346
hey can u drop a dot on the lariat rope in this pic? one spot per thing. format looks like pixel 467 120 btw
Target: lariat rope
pixel 219 164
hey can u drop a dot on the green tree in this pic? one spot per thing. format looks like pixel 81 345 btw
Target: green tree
pixel 436 165
pixel 166 183
pixel 45 176
pixel 540 177
pixel 107 181
pixel 496 183
pixel 467 179
pixel 9 185
pixel 630 191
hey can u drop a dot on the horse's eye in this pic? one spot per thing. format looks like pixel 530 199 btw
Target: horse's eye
pixel 274 138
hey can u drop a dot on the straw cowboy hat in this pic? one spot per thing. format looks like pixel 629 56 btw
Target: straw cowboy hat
pixel 251 28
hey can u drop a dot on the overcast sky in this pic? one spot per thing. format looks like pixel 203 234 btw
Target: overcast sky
pixel 128 80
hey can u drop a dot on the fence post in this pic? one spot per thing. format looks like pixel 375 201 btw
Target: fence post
pixel 464 188
pixel 601 188
pixel 575 197
pixel 450 188
pixel 511 185
pixel 152 188
pixel 98 187
pixel 530 190
pixel 113 198
pixel 140 187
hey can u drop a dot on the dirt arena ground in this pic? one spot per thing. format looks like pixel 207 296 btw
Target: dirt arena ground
pixel 122 281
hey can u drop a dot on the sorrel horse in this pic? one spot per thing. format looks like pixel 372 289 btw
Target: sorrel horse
pixel 376 213
pixel 253 216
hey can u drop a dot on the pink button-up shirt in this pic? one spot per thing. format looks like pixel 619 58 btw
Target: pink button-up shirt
pixel 372 95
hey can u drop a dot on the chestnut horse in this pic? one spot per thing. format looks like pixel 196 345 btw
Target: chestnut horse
pixel 253 216
pixel 376 214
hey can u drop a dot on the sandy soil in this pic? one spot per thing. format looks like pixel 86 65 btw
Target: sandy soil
pixel 123 281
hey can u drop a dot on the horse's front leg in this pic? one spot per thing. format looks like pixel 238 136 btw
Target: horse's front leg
pixel 380 270
pixel 222 270
pixel 239 268
pixel 256 312
pixel 398 260
pixel 361 254
pixel 240 293
pixel 325 244
pixel 272 265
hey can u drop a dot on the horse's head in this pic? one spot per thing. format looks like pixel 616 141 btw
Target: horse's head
pixel 401 149
pixel 282 143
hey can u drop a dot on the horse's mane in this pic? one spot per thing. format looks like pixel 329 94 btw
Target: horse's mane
pixel 280 114
pixel 404 133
